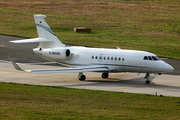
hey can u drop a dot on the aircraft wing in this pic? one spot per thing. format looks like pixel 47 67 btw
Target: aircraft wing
pixel 68 70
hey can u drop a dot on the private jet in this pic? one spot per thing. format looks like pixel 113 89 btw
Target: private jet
pixel 84 59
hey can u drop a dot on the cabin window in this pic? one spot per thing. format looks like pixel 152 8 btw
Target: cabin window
pixel 104 58
pixel 115 58
pixel 100 57
pixel 111 58
pixel 107 58
pixel 92 57
pixel 119 59
pixel 145 58
pixel 122 59
pixel 96 57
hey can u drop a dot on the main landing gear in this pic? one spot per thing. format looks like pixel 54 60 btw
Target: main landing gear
pixel 105 75
pixel 147 76
pixel 81 77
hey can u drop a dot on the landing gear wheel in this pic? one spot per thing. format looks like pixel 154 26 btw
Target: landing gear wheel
pixel 147 81
pixel 82 78
pixel 147 76
pixel 105 75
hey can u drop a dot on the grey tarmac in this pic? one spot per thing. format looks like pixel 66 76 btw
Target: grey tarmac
pixel 165 84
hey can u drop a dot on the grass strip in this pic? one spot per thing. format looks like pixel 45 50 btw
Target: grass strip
pixel 22 101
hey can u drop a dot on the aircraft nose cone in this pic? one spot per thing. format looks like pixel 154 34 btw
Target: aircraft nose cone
pixel 168 68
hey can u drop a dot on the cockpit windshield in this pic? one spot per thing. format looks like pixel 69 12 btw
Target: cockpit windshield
pixel 155 58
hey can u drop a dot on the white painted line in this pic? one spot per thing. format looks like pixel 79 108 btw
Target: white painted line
pixel 4 61
pixel 2 45
pixel 44 63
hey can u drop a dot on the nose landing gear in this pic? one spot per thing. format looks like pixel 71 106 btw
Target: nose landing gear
pixel 147 76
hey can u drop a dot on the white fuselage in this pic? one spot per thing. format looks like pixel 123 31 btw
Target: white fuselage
pixel 85 59
pixel 117 60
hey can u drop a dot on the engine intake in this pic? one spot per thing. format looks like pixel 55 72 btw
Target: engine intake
pixel 67 53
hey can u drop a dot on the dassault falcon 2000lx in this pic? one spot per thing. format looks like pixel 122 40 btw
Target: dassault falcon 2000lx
pixel 84 59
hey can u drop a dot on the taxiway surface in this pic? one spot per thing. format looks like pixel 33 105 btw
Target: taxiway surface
pixel 166 84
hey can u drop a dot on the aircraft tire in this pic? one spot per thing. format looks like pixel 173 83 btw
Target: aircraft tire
pixel 82 78
pixel 147 82
pixel 105 75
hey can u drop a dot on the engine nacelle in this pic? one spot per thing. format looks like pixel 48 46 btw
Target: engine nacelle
pixel 57 53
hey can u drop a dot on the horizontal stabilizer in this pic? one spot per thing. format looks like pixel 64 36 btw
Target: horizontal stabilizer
pixel 31 40
pixel 68 70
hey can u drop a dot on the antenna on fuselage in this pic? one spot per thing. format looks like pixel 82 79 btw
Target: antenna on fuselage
pixel 118 48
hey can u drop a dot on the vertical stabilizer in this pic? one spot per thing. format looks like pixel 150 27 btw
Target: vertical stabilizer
pixel 45 32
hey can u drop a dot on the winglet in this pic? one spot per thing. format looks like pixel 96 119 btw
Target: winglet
pixel 118 47
pixel 14 64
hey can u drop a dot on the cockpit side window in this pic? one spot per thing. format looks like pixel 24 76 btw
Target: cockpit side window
pixel 150 58
pixel 154 58
pixel 158 58
pixel 145 58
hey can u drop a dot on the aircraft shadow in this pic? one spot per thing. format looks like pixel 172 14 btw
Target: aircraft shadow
pixel 118 83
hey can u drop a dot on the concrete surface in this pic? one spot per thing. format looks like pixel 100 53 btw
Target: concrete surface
pixel 167 85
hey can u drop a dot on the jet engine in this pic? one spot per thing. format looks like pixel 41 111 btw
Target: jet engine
pixel 57 53
pixel 67 53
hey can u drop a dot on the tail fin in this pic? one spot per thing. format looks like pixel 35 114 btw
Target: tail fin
pixel 46 37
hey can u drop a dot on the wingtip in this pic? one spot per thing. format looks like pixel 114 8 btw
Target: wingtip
pixel 14 64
